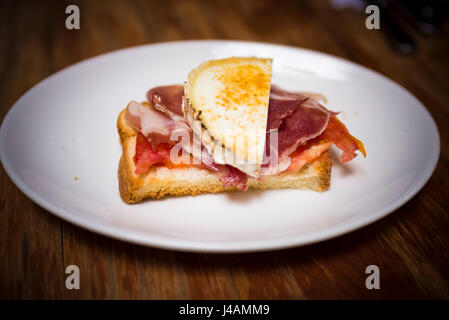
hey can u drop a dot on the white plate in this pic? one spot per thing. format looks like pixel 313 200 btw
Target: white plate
pixel 65 127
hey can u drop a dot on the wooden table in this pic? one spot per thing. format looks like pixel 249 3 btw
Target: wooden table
pixel 410 246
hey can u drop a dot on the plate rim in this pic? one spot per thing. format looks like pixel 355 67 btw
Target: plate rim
pixel 218 246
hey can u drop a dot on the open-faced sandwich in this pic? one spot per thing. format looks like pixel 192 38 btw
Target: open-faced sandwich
pixel 228 128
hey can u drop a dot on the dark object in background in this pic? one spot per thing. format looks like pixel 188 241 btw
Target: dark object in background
pixel 398 38
pixel 427 16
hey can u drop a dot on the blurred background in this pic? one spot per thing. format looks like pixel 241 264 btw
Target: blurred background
pixel 411 47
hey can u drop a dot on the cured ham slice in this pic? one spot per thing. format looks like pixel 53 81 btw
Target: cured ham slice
pixel 312 99
pixel 337 133
pixel 154 125
pixel 304 124
pixel 279 110
pixel 153 144
pixel 297 119
pixel 233 177
pixel 159 127
pixel 305 129
pixel 168 99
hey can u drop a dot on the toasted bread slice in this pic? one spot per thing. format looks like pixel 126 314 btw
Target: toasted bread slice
pixel 229 98
pixel 162 181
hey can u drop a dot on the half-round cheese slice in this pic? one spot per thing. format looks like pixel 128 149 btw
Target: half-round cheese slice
pixel 226 104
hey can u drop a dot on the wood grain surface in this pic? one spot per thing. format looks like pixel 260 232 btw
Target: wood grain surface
pixel 410 246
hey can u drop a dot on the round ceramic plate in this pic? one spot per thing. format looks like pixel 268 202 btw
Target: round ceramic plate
pixel 59 144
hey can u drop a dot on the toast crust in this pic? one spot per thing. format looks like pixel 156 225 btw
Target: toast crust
pixel 159 182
